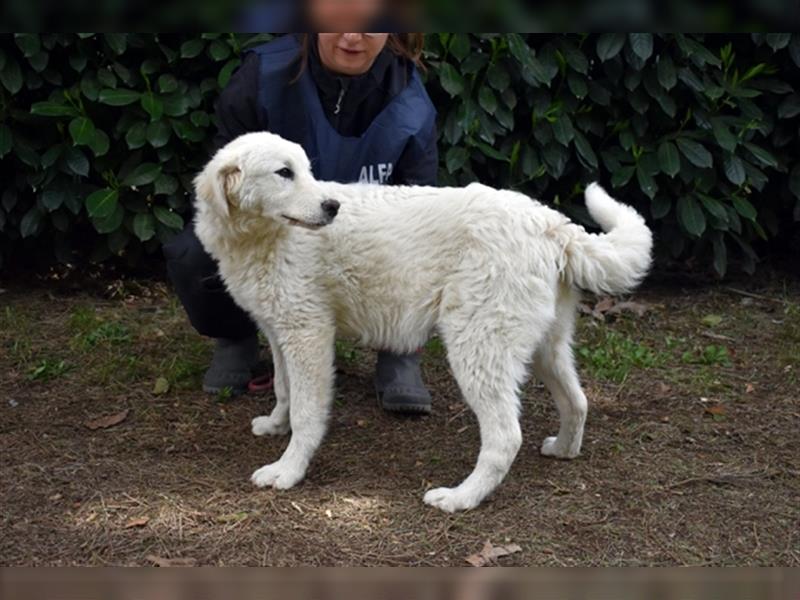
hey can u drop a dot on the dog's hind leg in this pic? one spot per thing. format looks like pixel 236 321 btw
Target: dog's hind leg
pixel 488 374
pixel 308 358
pixel 554 366
pixel 277 423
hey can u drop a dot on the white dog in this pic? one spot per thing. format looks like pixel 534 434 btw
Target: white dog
pixel 496 273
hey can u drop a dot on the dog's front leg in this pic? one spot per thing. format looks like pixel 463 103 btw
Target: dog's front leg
pixel 277 423
pixel 308 358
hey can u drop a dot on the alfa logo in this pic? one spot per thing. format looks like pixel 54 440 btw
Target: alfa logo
pixel 378 173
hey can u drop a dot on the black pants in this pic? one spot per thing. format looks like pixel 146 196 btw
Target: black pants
pixel 193 272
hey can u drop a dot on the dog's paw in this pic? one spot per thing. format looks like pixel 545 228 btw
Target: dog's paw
pixel 269 426
pixel 551 447
pixel 277 475
pixel 448 500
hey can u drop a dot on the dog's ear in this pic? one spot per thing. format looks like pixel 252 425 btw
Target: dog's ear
pixel 219 185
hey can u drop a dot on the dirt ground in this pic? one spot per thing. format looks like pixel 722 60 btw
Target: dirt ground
pixel 691 454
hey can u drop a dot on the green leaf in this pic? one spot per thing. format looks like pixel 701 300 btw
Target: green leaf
pixel 166 184
pixel 167 84
pixel 660 206
pixel 642 44
pixel 102 203
pixel 31 222
pixel 646 182
pixel 136 135
pixel 82 131
pixel 77 161
pixel 451 80
pixel 487 100
pixel 225 73
pixel 219 50
pixel 53 109
pixel 192 48
pixel 492 153
pixel 734 169
pixel 691 216
pixel 53 199
pixel 175 105
pixel 110 223
pixel 6 140
pixel 171 219
pixel 763 156
pixel 152 105
pixel 144 227
pixel 158 133
pixel 666 72
pixel 585 150
pixel 609 45
pixel 777 41
pixel 29 43
pixel 118 97
pixel 790 107
pixel 200 118
pixel 669 159
pixel 622 176
pixel 456 158
pixel 577 85
pixel 723 135
pixel 142 175
pixel 498 77
pixel 117 42
pixel 744 208
pixel 100 143
pixel 11 76
pixel 459 46
pixel 563 130
pixel 695 152
pixel 714 207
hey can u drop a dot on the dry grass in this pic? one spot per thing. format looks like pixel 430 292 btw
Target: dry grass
pixel 661 481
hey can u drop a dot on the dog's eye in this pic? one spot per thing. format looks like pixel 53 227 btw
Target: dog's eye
pixel 285 172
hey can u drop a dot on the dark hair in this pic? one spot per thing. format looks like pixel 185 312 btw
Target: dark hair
pixel 405 45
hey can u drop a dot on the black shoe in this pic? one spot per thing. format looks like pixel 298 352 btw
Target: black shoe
pixel 232 365
pixel 398 384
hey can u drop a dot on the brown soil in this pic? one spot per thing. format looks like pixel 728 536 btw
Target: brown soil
pixel 690 459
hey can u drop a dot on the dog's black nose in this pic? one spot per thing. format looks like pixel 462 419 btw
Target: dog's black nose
pixel 330 208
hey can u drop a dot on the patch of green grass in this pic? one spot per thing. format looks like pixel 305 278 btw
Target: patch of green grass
pixel 346 352
pixel 106 333
pixel 711 355
pixel 48 369
pixel 612 357
pixel 435 348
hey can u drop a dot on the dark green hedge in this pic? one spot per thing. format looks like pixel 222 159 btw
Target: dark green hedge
pixel 100 134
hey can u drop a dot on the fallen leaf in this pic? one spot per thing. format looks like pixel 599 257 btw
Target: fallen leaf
pixel 108 420
pixel 171 562
pixel 711 320
pixel 490 552
pixel 161 386
pixel 361 422
pixel 749 388
pixel 715 410
pixel 604 305
pixel 137 522
pixel 637 308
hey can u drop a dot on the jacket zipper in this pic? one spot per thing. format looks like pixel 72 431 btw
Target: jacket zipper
pixel 339 100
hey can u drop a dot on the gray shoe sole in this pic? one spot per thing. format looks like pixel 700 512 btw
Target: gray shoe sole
pixel 404 404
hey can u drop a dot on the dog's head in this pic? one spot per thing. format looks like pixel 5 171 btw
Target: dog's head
pixel 262 174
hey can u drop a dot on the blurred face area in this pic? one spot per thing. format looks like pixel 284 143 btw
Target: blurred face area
pixel 343 15
pixel 350 53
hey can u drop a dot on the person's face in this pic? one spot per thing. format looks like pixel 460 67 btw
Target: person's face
pixel 350 53
pixel 341 15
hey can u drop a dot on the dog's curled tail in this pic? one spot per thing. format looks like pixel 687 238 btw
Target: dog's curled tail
pixel 613 262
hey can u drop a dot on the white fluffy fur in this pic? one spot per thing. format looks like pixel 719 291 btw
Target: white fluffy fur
pixel 495 272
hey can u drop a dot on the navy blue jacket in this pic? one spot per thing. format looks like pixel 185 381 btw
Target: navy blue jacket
pixel 378 127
